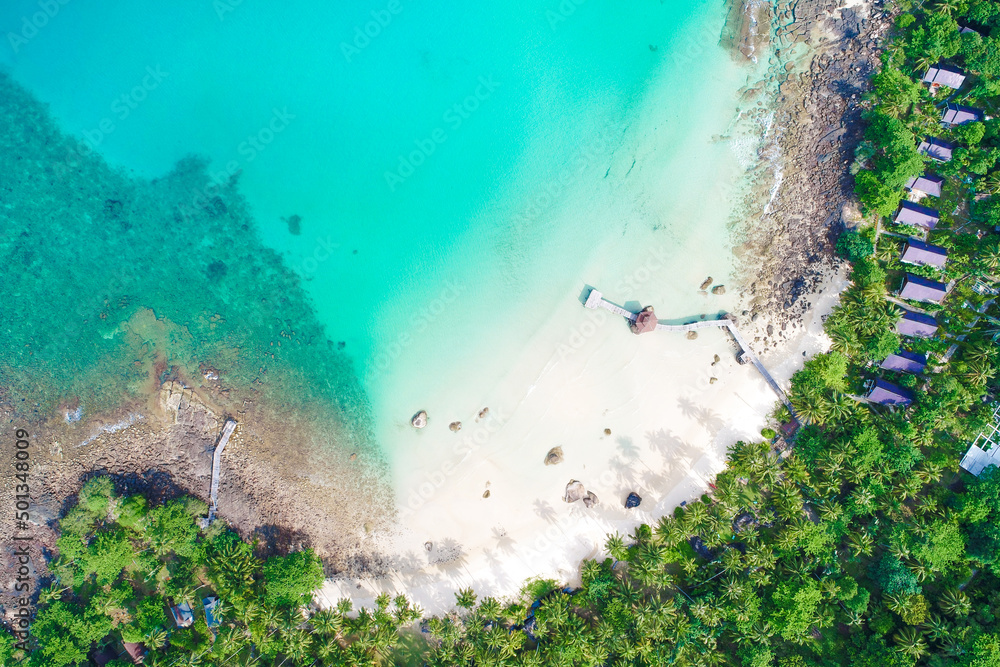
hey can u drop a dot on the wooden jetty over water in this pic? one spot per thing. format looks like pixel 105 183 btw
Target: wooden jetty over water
pixel 227 432
pixel 596 300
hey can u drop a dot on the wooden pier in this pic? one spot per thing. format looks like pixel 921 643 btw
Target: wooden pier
pixel 227 432
pixel 596 300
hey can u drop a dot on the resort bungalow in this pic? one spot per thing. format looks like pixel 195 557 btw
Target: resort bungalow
pixel 905 362
pixel 916 288
pixel 965 30
pixel 210 603
pixel 944 75
pixel 936 149
pixel 183 615
pixel 917 325
pixel 923 254
pixel 956 114
pixel 916 215
pixel 886 393
pixel 929 184
pixel 136 652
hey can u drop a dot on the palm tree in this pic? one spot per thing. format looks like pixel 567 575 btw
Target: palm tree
pixel 991 185
pixel 910 642
pixel 732 588
pixel 732 561
pixel 919 570
pixel 839 408
pixel 947 7
pixel 860 543
pixel 193 660
pixel 810 406
pixel 761 556
pixel 297 645
pixel 695 517
pixel 155 640
pixel 50 593
pixel 327 622
pixel 185 593
pixel 670 532
pixel 979 373
pixel 641 534
pixel 899 602
pixel 955 603
pixel 937 627
pixel 465 598
pixel 615 546
pixel 842 338
pixel 929 471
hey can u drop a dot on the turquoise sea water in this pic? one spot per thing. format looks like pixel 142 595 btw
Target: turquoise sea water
pixel 460 169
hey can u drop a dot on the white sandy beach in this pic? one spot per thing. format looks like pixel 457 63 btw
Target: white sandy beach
pixel 670 429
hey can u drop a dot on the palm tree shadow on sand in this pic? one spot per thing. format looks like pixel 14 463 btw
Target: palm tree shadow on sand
pixel 710 420
pixel 545 511
pixel 688 407
pixel 505 543
pixel 627 448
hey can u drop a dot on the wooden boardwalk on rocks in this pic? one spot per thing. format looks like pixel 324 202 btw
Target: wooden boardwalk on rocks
pixel 227 432
pixel 596 300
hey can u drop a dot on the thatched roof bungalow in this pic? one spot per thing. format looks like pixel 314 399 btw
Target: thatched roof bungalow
pixel 644 322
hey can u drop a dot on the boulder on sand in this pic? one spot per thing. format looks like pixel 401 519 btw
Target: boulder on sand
pixel 455 426
pixel 705 285
pixel 719 289
pixel 574 491
pixel 419 420
pixel 590 499
pixel 554 457
pixel 633 500
pixel 483 413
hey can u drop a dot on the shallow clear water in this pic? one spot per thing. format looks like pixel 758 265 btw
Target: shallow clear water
pixel 461 171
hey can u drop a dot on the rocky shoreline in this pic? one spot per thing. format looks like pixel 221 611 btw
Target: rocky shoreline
pixel 802 196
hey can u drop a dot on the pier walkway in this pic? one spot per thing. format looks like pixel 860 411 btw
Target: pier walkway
pixel 596 300
pixel 227 432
